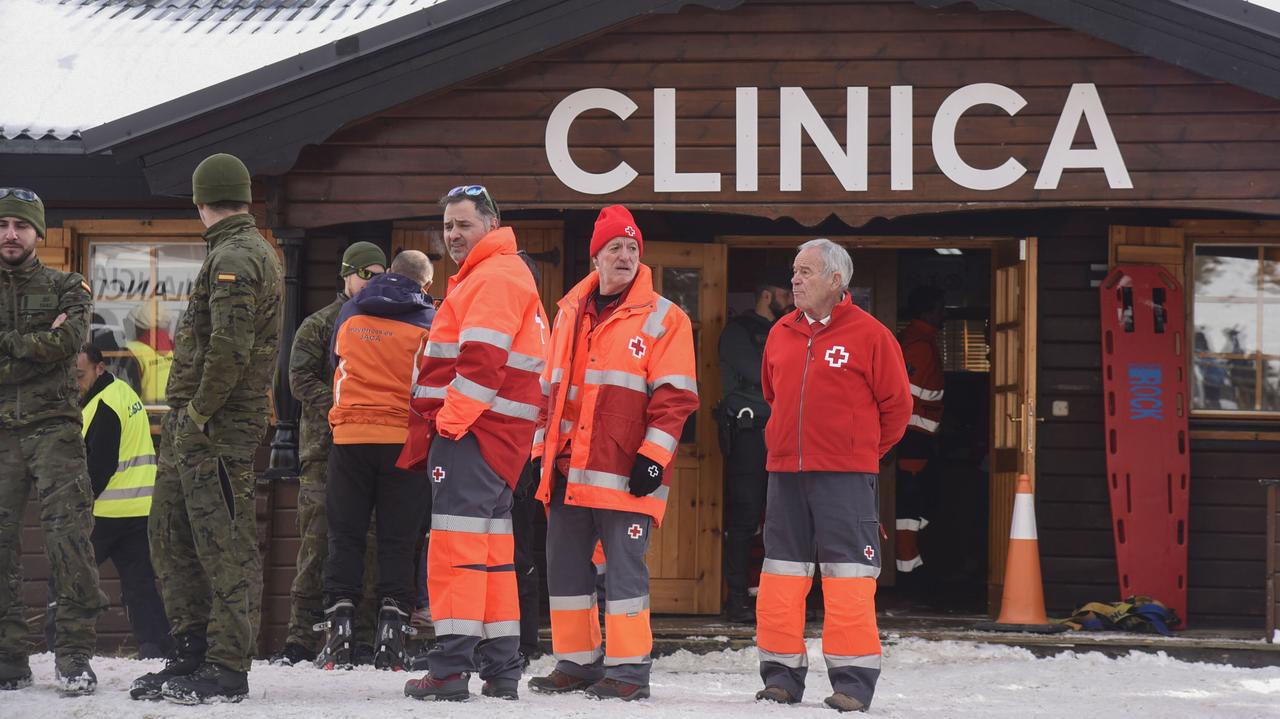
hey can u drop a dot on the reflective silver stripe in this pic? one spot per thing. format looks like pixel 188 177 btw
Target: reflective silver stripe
pixel 616 661
pixel 493 630
pixel 131 493
pixel 474 390
pixel 928 395
pixel 466 627
pixel 498 339
pixel 911 525
pixel 907 565
pixel 511 408
pixel 557 374
pixel 617 378
pixel 573 392
pixel 516 360
pixel 845 570
pixel 573 603
pixel 602 567
pixel 445 350
pixel 660 438
pixel 539 435
pixel 566 426
pixel 141 460
pixel 470 525
pixel 581 658
pixel 869 661
pixel 596 478
pixel 784 568
pixel 653 323
pixel 546 387
pixel 626 606
pixel 679 381
pixel 925 424
pixel 791 661
pixel 422 391
pixel 661 493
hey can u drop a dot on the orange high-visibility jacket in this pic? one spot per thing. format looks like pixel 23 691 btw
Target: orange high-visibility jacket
pixel 924 368
pixel 480 369
pixel 624 388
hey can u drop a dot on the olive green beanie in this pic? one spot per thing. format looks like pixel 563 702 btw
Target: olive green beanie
pixel 32 212
pixel 361 255
pixel 221 178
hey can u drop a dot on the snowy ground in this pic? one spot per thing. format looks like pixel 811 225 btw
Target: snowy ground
pixel 921 679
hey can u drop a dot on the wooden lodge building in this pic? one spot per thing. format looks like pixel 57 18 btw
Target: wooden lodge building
pixel 1008 152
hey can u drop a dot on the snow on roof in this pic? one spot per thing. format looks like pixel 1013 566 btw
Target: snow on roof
pixel 75 64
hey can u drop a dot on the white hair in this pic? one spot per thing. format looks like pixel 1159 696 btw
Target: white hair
pixel 835 258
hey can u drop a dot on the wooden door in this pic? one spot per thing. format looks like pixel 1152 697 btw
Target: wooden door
pixel 1013 393
pixel 684 556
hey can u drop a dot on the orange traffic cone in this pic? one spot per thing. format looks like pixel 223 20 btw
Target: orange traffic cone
pixel 1022 606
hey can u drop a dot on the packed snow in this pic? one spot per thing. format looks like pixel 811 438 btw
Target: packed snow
pixel 921 679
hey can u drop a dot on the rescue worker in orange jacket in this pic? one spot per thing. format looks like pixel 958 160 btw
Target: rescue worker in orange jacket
pixel 620 382
pixel 476 403
pixel 839 400
pixel 916 490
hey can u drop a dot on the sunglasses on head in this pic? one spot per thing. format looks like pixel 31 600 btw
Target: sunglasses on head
pixel 363 273
pixel 21 193
pixel 474 191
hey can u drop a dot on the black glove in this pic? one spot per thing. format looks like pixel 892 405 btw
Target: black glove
pixel 646 476
pixel 528 482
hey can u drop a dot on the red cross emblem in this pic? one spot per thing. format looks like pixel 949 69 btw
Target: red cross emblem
pixel 631 231
pixel 437 474
pixel 836 356
pixel 871 553
pixel 637 346
pixel 635 531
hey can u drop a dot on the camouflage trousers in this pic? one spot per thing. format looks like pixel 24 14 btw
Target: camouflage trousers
pixel 204 541
pixel 50 456
pixel 307 594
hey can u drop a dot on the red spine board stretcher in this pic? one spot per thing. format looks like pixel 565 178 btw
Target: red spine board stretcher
pixel 1148 460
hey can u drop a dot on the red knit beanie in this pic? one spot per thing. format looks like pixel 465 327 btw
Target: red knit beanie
pixel 615 221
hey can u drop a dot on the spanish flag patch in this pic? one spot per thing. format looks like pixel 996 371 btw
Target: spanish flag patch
pixel 86 287
pixel 226 277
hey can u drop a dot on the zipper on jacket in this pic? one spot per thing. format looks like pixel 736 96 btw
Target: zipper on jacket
pixel 804 379
pixel 17 389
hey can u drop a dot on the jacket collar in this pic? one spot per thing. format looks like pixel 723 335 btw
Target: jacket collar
pixel 28 267
pixel 501 241
pixel 639 294
pixel 98 385
pixel 226 227
pixel 842 311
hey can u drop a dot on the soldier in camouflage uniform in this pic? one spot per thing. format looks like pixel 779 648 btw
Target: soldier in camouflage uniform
pixel 44 316
pixel 203 535
pixel 311 380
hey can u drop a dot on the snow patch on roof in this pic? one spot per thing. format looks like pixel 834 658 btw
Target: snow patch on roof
pixel 72 66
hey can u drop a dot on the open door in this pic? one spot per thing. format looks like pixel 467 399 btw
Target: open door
pixel 1013 394
pixel 684 556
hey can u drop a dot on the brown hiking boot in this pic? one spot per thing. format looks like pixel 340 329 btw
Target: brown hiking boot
pixel 558 682
pixel 614 689
pixel 450 689
pixel 776 694
pixel 844 703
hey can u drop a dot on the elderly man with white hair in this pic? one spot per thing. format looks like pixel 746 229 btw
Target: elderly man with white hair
pixel 839 397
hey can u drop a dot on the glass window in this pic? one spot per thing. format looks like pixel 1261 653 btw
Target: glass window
pixel 140 291
pixel 1236 321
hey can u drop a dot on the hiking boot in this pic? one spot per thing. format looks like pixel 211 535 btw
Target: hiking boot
pixel 739 610
pixel 508 689
pixel 844 703
pixel 393 628
pixel 210 683
pixel 153 650
pixel 452 688
pixel 74 675
pixel 614 689
pixel 186 657
pixel 14 674
pixel 558 682
pixel 337 628
pixel 420 618
pixel 777 695
pixel 291 655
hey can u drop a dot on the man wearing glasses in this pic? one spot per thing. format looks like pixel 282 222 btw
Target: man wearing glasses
pixel 477 400
pixel 44 317
pixel 311 381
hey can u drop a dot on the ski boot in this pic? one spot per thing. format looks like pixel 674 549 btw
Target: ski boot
pixel 337 653
pixel 393 627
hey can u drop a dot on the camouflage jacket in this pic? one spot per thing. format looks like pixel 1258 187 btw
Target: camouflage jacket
pixel 227 342
pixel 37 363
pixel 311 380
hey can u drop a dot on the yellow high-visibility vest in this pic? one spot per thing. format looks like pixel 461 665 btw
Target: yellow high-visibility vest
pixel 155 370
pixel 128 492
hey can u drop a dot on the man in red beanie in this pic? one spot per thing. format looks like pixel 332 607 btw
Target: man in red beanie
pixel 620 381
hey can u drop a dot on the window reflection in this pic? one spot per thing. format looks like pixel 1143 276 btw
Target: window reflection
pixel 1236 328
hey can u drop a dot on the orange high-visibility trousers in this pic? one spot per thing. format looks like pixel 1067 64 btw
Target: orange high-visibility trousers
pixel 471 578
pixel 808 517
